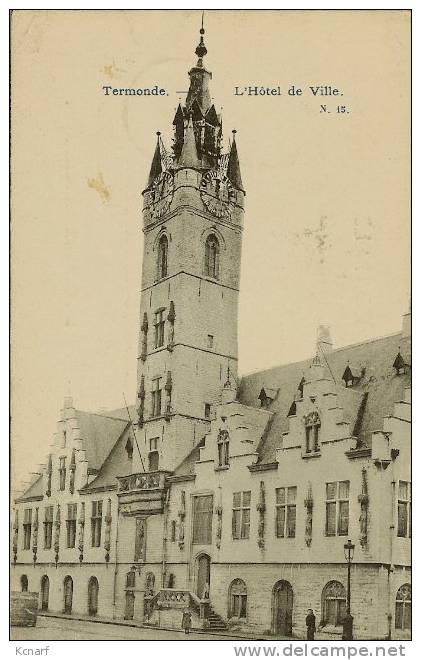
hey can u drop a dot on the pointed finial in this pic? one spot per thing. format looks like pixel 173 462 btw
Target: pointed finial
pixel 201 49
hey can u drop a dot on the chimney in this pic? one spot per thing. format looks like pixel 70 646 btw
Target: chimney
pixel 324 341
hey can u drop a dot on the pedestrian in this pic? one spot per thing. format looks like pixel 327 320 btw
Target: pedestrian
pixel 186 621
pixel 206 589
pixel 311 624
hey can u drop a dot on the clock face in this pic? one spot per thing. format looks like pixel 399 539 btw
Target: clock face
pixel 161 194
pixel 218 195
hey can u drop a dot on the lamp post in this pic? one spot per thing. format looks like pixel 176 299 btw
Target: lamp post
pixel 348 619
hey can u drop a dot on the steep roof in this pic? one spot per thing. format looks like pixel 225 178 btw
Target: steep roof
pixel 365 404
pixel 34 490
pixel 99 434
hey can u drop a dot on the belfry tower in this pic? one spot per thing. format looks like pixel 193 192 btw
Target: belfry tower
pixel 193 207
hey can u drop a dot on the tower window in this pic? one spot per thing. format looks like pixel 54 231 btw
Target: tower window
pixel 156 397
pixel 208 410
pixel 162 257
pixel 212 257
pixel 159 328
pixel 210 341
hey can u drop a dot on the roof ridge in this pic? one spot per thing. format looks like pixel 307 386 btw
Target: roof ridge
pixel 335 350
pixel 87 412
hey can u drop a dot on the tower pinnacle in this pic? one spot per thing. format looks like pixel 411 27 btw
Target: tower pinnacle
pixel 201 49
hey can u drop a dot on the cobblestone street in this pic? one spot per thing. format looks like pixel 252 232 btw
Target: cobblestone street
pixel 49 628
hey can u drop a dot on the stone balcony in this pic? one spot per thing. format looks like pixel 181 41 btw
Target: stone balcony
pixel 142 493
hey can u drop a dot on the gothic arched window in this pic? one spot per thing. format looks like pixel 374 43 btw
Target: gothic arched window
pixel 312 426
pixel 212 257
pixel 403 608
pixel 237 599
pixel 333 603
pixel 162 257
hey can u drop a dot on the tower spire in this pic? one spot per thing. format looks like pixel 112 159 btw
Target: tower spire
pixel 156 166
pixel 201 49
pixel 188 156
pixel 233 168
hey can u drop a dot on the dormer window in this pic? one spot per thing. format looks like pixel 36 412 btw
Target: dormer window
pixel 293 409
pixel 300 389
pixel 223 449
pixel 399 364
pixel 312 429
pixel 351 376
pixel 266 396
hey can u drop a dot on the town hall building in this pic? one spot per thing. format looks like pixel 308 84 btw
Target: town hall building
pixel 229 496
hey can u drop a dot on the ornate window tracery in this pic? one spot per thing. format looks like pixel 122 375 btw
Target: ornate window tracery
pixel 238 599
pixel 333 603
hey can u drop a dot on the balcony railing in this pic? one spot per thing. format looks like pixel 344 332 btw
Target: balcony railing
pixel 142 481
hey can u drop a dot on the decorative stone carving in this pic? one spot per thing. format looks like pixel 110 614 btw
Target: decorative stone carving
pixel 15 537
pixel 171 320
pixel 35 536
pixel 308 503
pixel 49 473
pixel 312 419
pixel 261 508
pixel 168 391
pixel 141 397
pixel 72 469
pixel 364 500
pixel 181 516
pixel 218 512
pixel 144 329
pixel 57 525
pixel 107 535
pixel 81 523
pixel 140 540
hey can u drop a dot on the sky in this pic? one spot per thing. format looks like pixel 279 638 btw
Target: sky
pixel 327 223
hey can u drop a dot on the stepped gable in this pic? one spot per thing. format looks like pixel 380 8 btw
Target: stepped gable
pixel 380 383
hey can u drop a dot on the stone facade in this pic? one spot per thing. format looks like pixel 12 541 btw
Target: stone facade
pixel 231 497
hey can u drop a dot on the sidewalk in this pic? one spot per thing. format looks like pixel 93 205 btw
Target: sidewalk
pixel 136 624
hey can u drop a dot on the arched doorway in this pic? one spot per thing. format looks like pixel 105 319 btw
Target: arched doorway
pixel 282 606
pixel 203 563
pixel 93 589
pixel 129 607
pixel 68 594
pixel 45 592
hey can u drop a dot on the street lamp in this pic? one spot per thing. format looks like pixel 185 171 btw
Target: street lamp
pixel 348 621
